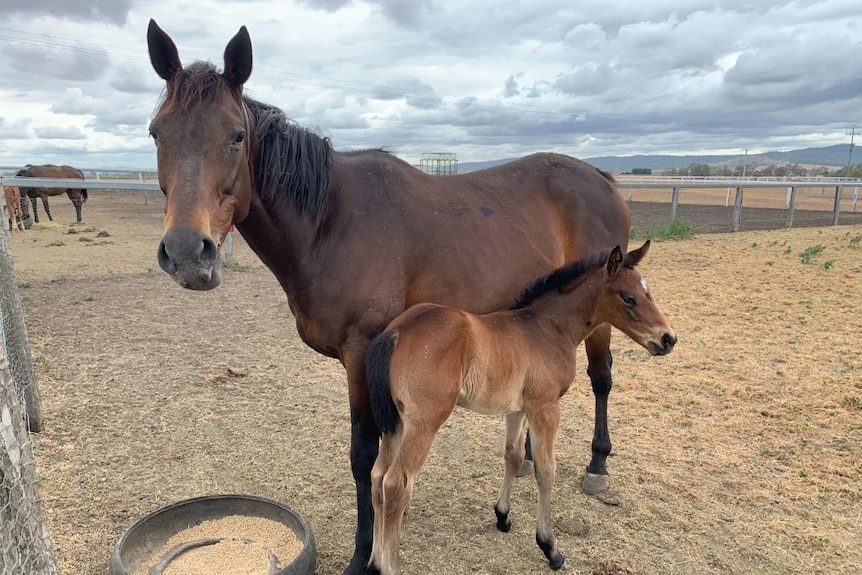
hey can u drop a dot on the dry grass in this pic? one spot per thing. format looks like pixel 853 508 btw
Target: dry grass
pixel 740 452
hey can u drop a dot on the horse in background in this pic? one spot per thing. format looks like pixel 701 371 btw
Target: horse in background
pixel 518 362
pixel 13 207
pixel 77 195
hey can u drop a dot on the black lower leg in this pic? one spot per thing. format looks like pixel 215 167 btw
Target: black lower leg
pixel 364 447
pixel 504 524
pixel 549 548
pixel 600 377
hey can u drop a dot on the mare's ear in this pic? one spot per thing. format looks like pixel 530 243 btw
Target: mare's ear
pixel 237 59
pixel 634 257
pixel 163 52
pixel 615 260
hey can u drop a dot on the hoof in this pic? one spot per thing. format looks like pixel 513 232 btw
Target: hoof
pixel 526 469
pixel 594 483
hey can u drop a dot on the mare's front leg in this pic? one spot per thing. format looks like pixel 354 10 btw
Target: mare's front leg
pixel 598 347
pixel 516 424
pixel 364 446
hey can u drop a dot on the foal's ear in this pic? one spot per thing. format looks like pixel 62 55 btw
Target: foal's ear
pixel 163 52
pixel 237 59
pixel 614 261
pixel 634 257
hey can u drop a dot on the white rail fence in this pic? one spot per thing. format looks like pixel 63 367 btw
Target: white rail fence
pixel 837 187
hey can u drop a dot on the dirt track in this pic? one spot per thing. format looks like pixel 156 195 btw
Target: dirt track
pixel 739 453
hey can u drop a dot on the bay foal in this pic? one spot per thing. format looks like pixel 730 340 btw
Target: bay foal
pixel 517 362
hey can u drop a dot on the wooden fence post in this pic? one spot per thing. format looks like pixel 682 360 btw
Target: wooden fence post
pixel 837 206
pixel 674 202
pixel 791 206
pixel 737 210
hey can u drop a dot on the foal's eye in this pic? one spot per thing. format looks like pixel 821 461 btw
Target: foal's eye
pixel 238 139
pixel 628 299
pixel 155 137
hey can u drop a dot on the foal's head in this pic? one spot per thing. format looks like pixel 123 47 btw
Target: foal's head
pixel 627 303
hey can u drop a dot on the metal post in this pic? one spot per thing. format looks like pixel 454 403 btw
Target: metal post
pixel 855 198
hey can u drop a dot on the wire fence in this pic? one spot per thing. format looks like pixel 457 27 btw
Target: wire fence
pixel 25 547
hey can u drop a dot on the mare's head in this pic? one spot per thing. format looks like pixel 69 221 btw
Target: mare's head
pixel 627 303
pixel 201 132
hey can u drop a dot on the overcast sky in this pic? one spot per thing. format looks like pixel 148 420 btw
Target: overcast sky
pixel 485 79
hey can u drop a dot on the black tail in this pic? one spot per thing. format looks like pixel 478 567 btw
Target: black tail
pixel 83 195
pixel 377 378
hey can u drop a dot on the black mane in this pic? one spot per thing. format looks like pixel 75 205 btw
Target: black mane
pixel 290 161
pixel 559 278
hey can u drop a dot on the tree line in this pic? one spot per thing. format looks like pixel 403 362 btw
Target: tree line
pixel 771 170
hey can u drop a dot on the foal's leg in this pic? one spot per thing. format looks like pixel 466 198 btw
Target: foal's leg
pixel 598 346
pixel 544 424
pixel 398 483
pixel 516 424
pixel 35 212
pixel 389 446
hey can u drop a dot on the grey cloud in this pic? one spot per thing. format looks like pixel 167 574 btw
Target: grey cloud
pixel 114 11
pixel 59 133
pixel 402 12
pixel 56 64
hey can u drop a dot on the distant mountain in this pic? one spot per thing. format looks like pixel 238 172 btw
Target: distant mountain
pixel 830 156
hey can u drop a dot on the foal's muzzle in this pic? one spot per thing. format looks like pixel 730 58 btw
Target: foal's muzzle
pixel 191 258
pixel 664 346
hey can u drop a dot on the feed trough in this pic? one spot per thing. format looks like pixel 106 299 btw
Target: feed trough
pixel 217 533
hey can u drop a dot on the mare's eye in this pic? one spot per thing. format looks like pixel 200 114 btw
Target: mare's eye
pixel 628 300
pixel 155 137
pixel 238 139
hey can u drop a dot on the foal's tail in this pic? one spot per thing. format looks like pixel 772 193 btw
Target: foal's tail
pixel 377 378
pixel 83 195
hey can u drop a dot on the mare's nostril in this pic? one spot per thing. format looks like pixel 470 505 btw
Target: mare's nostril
pixel 165 261
pixel 209 252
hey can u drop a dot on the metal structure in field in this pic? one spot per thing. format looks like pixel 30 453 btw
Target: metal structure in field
pixel 439 163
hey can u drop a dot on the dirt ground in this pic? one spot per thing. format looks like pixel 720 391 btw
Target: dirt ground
pixel 741 452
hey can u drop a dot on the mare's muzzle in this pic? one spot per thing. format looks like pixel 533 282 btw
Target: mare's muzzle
pixel 191 258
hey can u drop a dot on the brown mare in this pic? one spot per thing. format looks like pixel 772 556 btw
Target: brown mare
pixel 517 362
pixel 13 207
pixel 77 195
pixel 356 238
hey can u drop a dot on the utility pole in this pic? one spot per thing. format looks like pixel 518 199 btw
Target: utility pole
pixel 852 135
pixel 745 163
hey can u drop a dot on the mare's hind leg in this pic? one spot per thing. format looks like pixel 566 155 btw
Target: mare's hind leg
pixel 35 212
pixel 77 203
pixel 544 423
pixel 516 424
pixel 598 346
